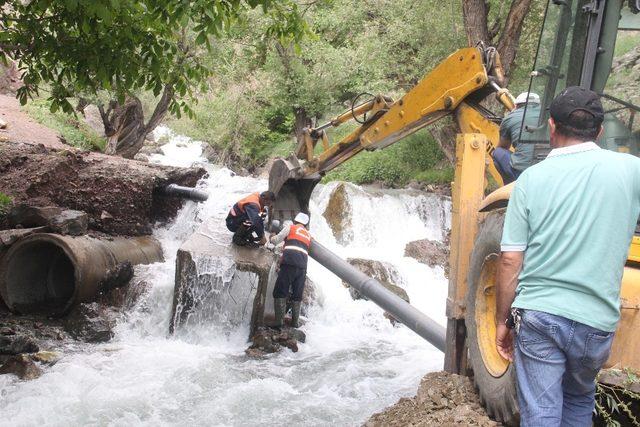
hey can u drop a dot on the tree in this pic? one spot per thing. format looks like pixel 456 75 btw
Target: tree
pixel 124 47
pixel 503 33
pixel 483 23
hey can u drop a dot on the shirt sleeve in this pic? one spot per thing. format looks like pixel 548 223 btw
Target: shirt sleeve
pixel 279 238
pixel 515 234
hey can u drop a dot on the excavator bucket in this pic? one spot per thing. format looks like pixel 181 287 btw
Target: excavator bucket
pixel 292 189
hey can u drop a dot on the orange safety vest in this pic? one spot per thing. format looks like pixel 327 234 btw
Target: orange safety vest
pixel 238 208
pixel 298 239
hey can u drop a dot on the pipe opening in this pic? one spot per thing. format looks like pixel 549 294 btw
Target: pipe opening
pixel 40 278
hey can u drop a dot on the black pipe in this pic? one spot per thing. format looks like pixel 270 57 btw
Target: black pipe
pixel 414 319
pixel 186 192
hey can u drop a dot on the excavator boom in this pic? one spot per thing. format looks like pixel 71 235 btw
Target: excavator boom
pixel 469 73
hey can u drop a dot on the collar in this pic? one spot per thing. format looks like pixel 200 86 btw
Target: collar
pixel 572 149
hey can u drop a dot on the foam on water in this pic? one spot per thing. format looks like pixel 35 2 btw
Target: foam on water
pixel 353 364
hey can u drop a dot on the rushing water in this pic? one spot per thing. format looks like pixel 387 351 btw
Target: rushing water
pixel 353 364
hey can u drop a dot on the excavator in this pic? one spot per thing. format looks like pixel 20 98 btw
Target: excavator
pixel 577 45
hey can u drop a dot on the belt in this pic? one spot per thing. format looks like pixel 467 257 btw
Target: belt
pixel 295 248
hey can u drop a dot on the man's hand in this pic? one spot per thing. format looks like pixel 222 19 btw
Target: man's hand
pixel 504 341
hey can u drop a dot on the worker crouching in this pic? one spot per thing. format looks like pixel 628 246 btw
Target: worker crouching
pixel 293 268
pixel 246 219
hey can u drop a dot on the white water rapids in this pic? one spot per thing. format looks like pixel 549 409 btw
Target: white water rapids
pixel 354 363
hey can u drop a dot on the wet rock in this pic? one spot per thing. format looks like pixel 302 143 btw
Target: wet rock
pixel 442 399
pixel 383 272
pixel 268 340
pixel 21 366
pixel 117 277
pixel 221 283
pixel 47 357
pixel 17 344
pixel 338 214
pixel 430 252
pixel 90 323
pixel 125 297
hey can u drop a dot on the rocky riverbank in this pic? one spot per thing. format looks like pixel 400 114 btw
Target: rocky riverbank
pixel 442 399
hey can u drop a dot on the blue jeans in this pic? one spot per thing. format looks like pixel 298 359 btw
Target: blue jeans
pixel 556 361
pixel 502 161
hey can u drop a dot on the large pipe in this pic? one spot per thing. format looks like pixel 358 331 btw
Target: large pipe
pixel 49 273
pixel 414 319
pixel 186 192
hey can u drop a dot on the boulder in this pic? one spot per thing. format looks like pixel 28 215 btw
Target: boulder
pixel 430 252
pixel 17 344
pixel 338 214
pixel 90 323
pixel 21 366
pixel 268 340
pixel 56 219
pixel 47 357
pixel 384 273
pixel 220 284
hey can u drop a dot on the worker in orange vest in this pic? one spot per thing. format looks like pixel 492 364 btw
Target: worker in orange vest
pixel 293 268
pixel 246 218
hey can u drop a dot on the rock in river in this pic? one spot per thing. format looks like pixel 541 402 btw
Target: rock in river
pixel 22 366
pixel 221 284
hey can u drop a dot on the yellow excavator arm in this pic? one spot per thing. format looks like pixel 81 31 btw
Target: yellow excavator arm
pixel 455 87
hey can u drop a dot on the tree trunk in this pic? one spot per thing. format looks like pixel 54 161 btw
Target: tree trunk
pixel 475 16
pixel 302 120
pixel 445 135
pixel 510 37
pixel 124 124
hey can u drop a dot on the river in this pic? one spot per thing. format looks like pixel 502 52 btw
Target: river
pixel 353 364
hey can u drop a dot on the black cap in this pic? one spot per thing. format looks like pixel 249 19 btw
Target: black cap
pixel 576 98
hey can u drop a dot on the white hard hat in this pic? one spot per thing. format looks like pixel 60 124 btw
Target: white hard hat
pixel 302 218
pixel 526 97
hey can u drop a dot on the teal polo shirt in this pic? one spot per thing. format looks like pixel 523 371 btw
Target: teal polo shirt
pixel 574 215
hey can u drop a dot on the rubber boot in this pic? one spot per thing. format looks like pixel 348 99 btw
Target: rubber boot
pixel 279 305
pixel 295 314
pixel 241 236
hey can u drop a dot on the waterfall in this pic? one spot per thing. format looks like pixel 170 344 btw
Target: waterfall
pixel 354 363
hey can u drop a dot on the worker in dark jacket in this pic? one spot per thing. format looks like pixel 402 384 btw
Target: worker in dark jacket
pixel 511 165
pixel 293 268
pixel 246 218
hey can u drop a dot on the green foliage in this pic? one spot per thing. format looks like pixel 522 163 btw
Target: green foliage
pixel 5 203
pixel 125 46
pixel 615 404
pixel 415 158
pixel 75 131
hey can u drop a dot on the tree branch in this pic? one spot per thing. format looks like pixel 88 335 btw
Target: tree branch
pixel 510 38
pixel 161 109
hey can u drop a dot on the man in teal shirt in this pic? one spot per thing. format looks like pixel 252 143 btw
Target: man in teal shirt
pixel 566 235
pixel 511 165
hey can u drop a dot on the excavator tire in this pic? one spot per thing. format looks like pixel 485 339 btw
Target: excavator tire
pixel 494 377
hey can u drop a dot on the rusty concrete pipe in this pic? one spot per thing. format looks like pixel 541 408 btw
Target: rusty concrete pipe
pixel 50 273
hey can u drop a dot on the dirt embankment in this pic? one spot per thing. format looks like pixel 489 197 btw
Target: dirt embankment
pixel 443 399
